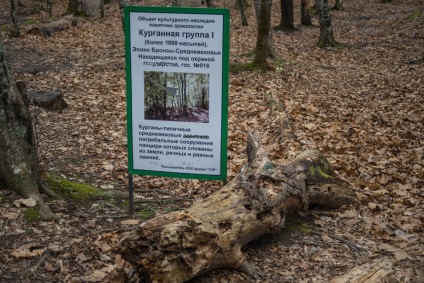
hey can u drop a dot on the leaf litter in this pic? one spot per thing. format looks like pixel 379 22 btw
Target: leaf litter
pixel 361 105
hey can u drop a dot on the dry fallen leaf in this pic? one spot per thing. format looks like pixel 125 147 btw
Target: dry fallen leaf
pixel 28 250
pixel 10 215
pixel 401 255
pixel 28 202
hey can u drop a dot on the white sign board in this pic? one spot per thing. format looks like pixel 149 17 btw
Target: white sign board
pixel 177 91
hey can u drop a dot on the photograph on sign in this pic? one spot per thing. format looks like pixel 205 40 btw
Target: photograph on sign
pixel 175 96
pixel 177 91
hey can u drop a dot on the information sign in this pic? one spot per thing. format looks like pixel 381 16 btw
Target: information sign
pixel 177 91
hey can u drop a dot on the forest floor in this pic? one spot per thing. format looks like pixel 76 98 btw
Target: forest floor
pixel 360 104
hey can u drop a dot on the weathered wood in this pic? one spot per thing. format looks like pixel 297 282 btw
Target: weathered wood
pixel 46 30
pixel 374 271
pixel 50 100
pixel 209 235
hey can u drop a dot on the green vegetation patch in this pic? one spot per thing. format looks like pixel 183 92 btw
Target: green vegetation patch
pixel 32 215
pixel 75 191
pixel 242 67
pixel 293 225
pixel 146 212
pixel 415 15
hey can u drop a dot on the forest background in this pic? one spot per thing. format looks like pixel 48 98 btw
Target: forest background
pixel 360 104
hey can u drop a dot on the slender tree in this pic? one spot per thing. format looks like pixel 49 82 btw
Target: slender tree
pixel 19 168
pixel 287 18
pixel 13 11
pixel 49 8
pixel 122 4
pixel 257 4
pixel 326 37
pixel 305 16
pixel 242 6
pixel 263 42
pixel 102 8
pixel 210 3
pixel 338 5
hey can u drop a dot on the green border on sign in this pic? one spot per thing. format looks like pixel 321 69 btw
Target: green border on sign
pixel 225 63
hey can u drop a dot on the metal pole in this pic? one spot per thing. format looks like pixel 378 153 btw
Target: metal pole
pixel 131 194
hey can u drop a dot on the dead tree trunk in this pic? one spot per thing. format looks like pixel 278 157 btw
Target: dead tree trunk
pixel 18 155
pixel 209 235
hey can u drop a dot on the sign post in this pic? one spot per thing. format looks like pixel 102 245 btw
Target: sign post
pixel 177 91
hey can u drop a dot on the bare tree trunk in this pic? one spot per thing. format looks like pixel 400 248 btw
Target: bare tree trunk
pixel 49 8
pixel 209 235
pixel 13 10
pixel 287 18
pixel 305 16
pixel 102 8
pixel 18 153
pixel 263 42
pixel 210 4
pixel 338 5
pixel 257 4
pixel 242 6
pixel 122 5
pixel 326 37
pixel 87 8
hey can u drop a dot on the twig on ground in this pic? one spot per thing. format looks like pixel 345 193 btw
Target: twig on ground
pixel 25 273
pixel 338 238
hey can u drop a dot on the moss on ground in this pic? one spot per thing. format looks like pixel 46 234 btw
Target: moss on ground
pixel 146 212
pixel 32 215
pixel 72 190
pixel 415 15
pixel 242 67
pixel 293 225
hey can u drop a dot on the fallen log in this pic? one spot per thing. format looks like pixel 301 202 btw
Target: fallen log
pixel 49 100
pixel 210 234
pixel 47 29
